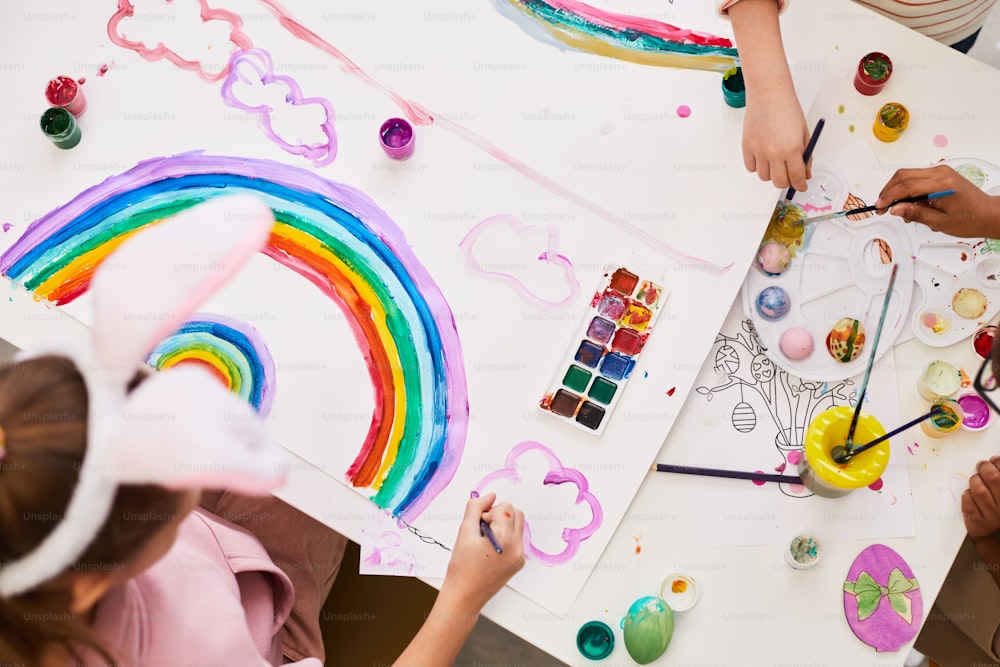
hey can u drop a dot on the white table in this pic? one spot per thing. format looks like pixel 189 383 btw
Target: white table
pixel 749 597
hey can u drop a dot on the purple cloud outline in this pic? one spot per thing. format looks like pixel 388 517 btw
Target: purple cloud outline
pixel 557 474
pixel 260 62
pixel 550 255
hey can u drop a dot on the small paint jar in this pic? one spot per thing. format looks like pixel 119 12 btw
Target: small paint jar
pixel 60 127
pixel 939 380
pixel 982 341
pixel 803 552
pixel 817 468
pixel 891 121
pixel 595 640
pixel 947 422
pixel 66 92
pixel 873 73
pixel 976 412
pixel 680 591
pixel 396 138
pixel 734 91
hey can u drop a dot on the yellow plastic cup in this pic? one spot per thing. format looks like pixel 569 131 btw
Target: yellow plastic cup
pixel 824 476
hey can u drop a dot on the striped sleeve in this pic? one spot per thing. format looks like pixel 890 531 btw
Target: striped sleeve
pixel 947 21
pixel 722 6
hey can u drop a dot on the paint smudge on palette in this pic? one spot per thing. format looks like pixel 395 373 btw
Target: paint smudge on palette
pixel 613 332
pixel 853 202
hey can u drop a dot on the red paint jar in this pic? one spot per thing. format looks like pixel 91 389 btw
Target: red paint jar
pixel 65 92
pixel 873 72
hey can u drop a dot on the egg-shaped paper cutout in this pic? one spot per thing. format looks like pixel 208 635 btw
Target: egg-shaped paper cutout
pixel 648 628
pixel 882 599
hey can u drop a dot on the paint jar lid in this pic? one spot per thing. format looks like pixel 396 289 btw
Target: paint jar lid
pixel 680 591
pixel 595 640
pixel 977 414
pixel 803 551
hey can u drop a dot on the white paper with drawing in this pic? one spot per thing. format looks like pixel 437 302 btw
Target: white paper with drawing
pixel 747 414
pixel 405 317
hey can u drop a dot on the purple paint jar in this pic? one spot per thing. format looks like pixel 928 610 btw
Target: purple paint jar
pixel 397 138
pixel 977 412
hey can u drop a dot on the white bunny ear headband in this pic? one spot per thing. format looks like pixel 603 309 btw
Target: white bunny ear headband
pixel 180 428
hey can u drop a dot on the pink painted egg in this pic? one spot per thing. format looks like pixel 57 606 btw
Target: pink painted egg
pixel 882 599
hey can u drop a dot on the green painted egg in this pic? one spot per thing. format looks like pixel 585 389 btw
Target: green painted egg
pixel 648 628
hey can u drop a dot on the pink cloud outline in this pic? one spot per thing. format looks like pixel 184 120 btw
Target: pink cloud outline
pixel 237 37
pixel 259 60
pixel 557 474
pixel 550 256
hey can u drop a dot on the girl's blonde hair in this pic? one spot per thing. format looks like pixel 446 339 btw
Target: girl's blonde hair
pixel 43 414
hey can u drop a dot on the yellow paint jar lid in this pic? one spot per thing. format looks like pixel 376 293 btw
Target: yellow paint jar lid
pixel 828 430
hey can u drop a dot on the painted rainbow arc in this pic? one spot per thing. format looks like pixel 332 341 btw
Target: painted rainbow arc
pixel 340 241
pixel 231 350
pixel 621 36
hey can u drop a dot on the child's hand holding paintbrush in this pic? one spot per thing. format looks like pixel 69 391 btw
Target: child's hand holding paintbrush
pixel 967 213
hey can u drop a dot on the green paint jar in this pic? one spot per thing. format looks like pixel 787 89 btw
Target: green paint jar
pixel 595 640
pixel 734 91
pixel 60 127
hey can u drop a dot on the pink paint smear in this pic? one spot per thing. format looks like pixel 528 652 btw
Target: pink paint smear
pixel 239 39
pixel 420 115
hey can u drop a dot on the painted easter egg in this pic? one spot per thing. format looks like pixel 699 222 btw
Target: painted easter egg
pixel 744 418
pixel 973 173
pixel 648 628
pixel 773 258
pixel 882 599
pixel 846 339
pixel 773 302
pixel 796 343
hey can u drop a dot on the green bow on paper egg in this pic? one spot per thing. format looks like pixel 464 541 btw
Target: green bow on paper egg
pixel 869 593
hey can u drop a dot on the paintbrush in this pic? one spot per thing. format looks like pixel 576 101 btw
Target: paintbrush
pixel 486 531
pixel 867 209
pixel 808 154
pixel 728 474
pixel 841 455
pixel 871 361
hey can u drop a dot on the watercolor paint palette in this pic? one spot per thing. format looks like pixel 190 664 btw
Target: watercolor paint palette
pixel 592 376
pixel 959 281
pixel 832 293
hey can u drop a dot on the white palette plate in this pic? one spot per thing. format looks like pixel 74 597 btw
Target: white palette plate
pixel 839 273
pixel 944 265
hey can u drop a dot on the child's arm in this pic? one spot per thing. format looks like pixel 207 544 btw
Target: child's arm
pixel 968 213
pixel 475 574
pixel 774 128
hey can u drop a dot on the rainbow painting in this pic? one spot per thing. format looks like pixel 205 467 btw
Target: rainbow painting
pixel 342 243
pixel 231 350
pixel 579 26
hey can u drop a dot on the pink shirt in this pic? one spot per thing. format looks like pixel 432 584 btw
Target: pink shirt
pixel 214 599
